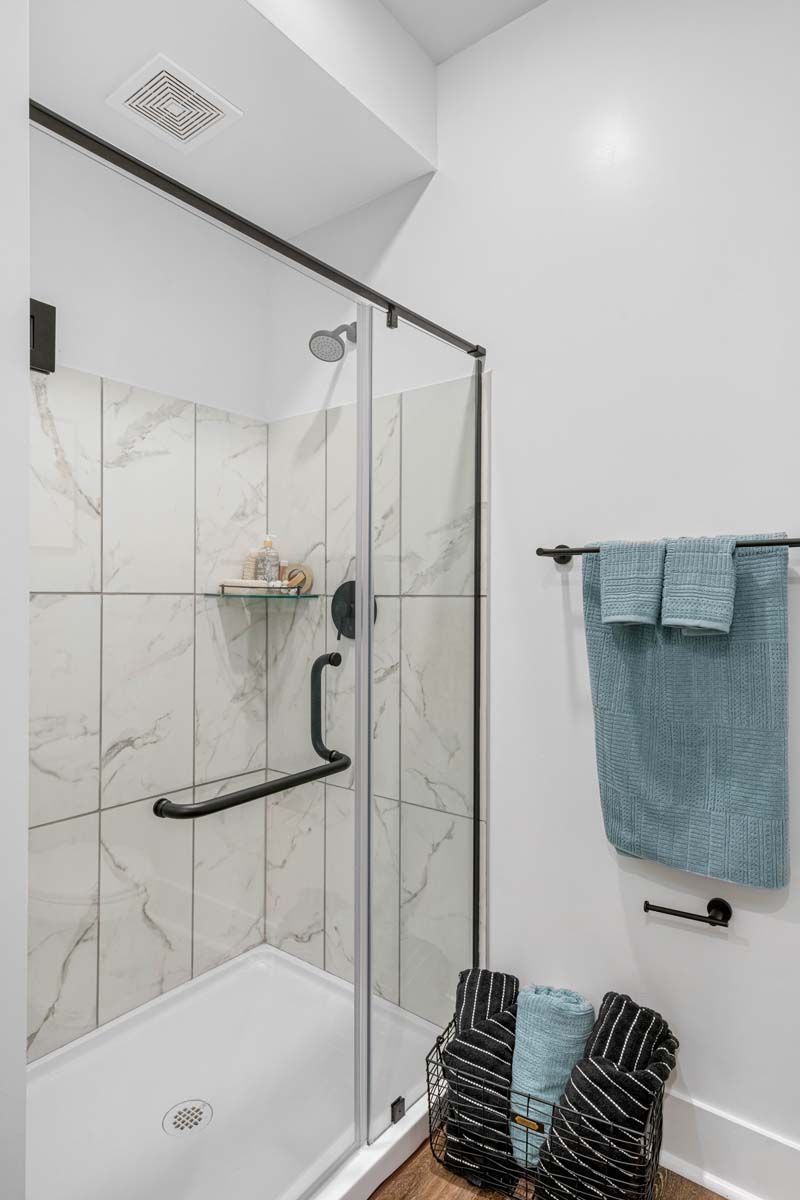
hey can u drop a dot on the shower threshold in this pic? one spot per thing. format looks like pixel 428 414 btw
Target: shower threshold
pixel 249 1069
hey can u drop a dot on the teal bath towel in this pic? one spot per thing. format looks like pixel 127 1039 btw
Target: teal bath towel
pixel 631 582
pixel 691 732
pixel 552 1027
pixel 699 585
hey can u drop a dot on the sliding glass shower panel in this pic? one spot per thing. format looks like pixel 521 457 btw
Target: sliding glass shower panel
pixel 423 701
pixel 191 1026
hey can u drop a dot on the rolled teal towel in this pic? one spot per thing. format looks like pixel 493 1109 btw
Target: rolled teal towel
pixel 631 582
pixel 699 585
pixel 552 1027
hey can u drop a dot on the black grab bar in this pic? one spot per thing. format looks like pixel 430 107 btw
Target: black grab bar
pixel 334 762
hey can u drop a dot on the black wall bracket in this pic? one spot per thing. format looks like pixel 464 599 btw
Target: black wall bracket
pixel 43 337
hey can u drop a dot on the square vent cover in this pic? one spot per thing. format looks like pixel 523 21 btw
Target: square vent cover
pixel 172 104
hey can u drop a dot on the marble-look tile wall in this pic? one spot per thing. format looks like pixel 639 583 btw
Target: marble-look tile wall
pixel 142 685
pixel 423 547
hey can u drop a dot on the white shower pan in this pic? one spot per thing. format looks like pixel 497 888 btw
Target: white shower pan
pixel 236 1085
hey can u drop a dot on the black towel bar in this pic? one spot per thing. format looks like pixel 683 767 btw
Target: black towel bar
pixel 334 762
pixel 719 912
pixel 563 554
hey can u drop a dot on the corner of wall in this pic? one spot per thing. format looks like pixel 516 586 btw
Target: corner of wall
pixel 14 334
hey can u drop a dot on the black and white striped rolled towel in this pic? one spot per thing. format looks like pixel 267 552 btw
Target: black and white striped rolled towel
pixel 477 1067
pixel 596 1143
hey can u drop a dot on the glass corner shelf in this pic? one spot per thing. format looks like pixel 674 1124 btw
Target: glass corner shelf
pixel 241 593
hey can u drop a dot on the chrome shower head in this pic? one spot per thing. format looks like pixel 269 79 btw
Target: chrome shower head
pixel 328 345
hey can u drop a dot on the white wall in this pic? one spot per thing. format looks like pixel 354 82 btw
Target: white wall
pixel 152 294
pixel 361 44
pixel 149 293
pixel 14 293
pixel 615 217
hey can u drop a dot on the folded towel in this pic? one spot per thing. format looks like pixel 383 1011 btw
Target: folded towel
pixel 477 1067
pixel 552 1027
pixel 691 733
pixel 631 582
pixel 699 584
pixel 598 1141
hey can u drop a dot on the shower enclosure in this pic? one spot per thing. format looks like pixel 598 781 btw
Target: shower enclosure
pixel 256 820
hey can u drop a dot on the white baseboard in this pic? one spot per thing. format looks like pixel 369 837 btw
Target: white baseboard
pixel 703 1144
pixel 714 1148
pixel 720 1187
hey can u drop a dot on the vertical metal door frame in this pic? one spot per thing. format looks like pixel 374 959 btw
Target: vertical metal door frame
pixel 477 667
pixel 363 730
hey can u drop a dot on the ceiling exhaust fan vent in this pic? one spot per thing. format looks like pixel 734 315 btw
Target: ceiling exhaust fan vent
pixel 172 104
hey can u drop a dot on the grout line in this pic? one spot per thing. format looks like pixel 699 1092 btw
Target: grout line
pixel 325 966
pixel 175 791
pixel 326 687
pixel 266 688
pixel 109 808
pixel 100 705
pixel 217 595
pixel 400 702
pixel 194 703
pixel 59 592
pixel 324 714
pixel 324 589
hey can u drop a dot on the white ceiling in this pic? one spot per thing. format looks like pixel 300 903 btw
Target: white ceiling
pixel 316 138
pixel 306 150
pixel 443 27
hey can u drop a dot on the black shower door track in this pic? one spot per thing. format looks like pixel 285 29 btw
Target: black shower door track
pixel 45 118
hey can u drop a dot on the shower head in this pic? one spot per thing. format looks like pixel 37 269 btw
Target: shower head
pixel 328 345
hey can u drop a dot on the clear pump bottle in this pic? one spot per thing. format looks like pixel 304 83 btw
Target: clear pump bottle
pixel 268 562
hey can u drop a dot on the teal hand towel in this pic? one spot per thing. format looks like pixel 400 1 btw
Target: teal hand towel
pixel 552 1027
pixel 699 585
pixel 631 582
pixel 691 732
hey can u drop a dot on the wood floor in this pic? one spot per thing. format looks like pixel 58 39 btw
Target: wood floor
pixel 422 1178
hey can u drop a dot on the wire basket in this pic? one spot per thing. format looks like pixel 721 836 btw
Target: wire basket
pixel 471 1124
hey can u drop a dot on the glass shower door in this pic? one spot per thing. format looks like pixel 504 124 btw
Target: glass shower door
pixel 191 959
pixel 425 703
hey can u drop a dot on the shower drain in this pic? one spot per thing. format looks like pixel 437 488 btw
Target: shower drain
pixel 186 1117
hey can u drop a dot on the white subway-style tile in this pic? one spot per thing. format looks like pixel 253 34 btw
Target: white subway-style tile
pixel 296 491
pixel 228 875
pixel 62 933
pixel 340 699
pixel 65 482
pixel 341 495
pixel 339 890
pixel 438 490
pixel 230 687
pixel 231 515
pixel 148 491
pixel 437 702
pixel 148 653
pixel 145 906
pixel 64 716
pixel 296 872
pixel 295 637
pixel 435 909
